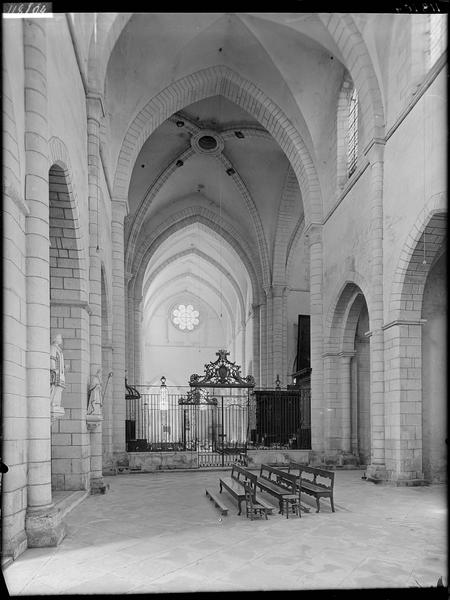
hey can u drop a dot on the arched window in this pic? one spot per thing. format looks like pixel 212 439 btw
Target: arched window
pixel 437 26
pixel 352 133
pixel 347 132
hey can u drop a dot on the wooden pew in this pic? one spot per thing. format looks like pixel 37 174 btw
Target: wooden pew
pixel 235 483
pixel 308 478
pixel 278 483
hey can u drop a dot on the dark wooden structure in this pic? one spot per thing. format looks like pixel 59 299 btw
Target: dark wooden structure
pixel 278 483
pixel 308 479
pixel 234 484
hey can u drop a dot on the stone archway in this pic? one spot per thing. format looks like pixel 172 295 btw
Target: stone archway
pixel 347 379
pixel 68 317
pixel 408 342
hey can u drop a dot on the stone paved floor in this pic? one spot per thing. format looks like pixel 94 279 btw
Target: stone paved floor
pixel 158 533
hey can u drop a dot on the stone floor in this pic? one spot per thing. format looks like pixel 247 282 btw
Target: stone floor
pixel 159 533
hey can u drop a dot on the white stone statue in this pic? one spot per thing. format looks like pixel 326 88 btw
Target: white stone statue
pixel 57 377
pixel 95 400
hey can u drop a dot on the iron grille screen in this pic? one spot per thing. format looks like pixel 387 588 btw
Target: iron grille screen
pixel 218 424
pixel 283 419
pixel 226 422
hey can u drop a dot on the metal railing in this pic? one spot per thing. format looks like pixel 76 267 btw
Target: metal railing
pixel 218 430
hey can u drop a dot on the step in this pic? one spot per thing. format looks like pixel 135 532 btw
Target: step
pixel 220 505
pixel 270 508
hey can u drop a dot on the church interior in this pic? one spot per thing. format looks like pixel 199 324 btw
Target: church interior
pixel 224 242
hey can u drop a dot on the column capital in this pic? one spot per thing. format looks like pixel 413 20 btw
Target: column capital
pixel 277 290
pixel 398 322
pixel 313 233
pixel 374 151
pixel 95 107
pixel 77 303
pixel 128 276
pixel 119 209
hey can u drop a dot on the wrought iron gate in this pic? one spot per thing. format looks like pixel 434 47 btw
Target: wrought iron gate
pixel 215 426
pixel 223 385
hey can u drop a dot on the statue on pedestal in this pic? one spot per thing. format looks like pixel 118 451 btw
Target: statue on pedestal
pixel 95 400
pixel 57 377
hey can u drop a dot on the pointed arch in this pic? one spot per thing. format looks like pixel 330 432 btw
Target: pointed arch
pixel 358 61
pixel 65 215
pixel 207 258
pixel 138 218
pixel 213 81
pixel 196 214
pixel 405 300
pixel 202 281
pixel 281 249
pixel 344 296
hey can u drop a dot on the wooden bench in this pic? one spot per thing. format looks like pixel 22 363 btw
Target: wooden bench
pixel 278 483
pixel 220 505
pixel 307 477
pixel 235 483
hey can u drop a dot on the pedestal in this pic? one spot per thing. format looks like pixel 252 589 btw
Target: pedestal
pixel 44 527
pixel 56 413
pixel 93 423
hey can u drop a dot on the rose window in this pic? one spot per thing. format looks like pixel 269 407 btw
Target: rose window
pixel 185 317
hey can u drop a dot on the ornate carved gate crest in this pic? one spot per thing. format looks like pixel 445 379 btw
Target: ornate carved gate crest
pixel 222 373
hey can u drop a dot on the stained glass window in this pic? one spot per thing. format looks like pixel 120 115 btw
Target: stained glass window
pixel 185 317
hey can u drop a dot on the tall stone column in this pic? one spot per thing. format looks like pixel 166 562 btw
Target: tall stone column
pixel 270 378
pixel 256 344
pixel 314 236
pixel 244 366
pixel 346 395
pixel 129 326
pixel 119 210
pixel 107 362
pixel 404 400
pixel 376 469
pixel 263 340
pixel 43 525
pixel 276 326
pixel 331 400
pixel 354 408
pixel 286 369
pixel 14 375
pixel 94 422
pixel 137 323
